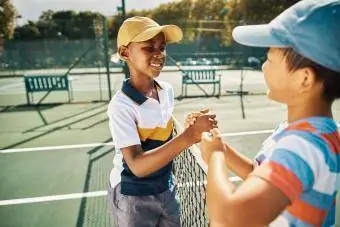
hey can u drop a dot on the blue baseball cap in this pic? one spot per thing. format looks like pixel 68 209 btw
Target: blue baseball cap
pixel 309 27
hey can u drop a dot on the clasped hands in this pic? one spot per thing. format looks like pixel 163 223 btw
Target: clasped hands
pixel 211 141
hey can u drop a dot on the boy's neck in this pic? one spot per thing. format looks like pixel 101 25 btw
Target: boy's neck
pixel 318 108
pixel 143 84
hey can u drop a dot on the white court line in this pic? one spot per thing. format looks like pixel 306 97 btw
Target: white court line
pixel 52 198
pixel 247 133
pixel 9 86
pixel 75 146
pixel 55 148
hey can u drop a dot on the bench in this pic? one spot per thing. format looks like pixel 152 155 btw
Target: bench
pixel 47 83
pixel 200 76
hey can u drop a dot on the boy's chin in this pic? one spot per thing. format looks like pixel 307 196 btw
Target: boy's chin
pixel 275 99
pixel 155 74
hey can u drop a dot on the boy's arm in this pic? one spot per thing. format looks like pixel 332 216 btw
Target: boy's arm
pixel 145 163
pixel 240 164
pixel 269 189
pixel 255 203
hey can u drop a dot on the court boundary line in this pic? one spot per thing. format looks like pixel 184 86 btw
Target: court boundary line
pixel 52 198
pixel 90 145
pixel 55 148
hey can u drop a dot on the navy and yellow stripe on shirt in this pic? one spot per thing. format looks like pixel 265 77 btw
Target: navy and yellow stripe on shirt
pixel 158 133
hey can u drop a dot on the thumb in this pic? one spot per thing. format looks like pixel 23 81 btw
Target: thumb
pixel 204 110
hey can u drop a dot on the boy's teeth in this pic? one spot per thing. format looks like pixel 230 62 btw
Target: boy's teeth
pixel 156 65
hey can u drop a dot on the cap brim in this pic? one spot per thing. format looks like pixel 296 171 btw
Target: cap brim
pixel 256 36
pixel 172 33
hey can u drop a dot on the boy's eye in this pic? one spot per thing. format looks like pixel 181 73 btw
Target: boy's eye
pixel 162 48
pixel 150 49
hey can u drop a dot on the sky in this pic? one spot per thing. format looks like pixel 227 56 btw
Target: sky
pixel 32 9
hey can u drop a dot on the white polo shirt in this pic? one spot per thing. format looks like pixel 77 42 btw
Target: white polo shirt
pixel 136 119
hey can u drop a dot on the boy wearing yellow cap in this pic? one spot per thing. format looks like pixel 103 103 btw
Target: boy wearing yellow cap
pixel 142 189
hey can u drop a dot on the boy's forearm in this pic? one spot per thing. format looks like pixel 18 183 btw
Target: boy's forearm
pixel 240 164
pixel 219 188
pixel 150 161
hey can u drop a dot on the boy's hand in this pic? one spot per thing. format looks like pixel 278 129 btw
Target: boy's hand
pixel 191 117
pixel 203 123
pixel 211 142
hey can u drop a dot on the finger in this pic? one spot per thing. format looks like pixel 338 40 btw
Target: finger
pixel 212 116
pixel 204 110
pixel 195 114
pixel 215 133
pixel 213 121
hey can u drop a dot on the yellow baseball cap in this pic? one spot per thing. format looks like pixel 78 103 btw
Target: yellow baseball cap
pixel 139 29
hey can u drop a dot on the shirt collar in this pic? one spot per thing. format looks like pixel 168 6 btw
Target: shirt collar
pixel 134 94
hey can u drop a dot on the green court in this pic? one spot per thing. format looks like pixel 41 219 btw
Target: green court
pixel 56 158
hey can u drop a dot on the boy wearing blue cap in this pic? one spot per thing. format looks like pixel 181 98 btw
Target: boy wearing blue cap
pixel 293 180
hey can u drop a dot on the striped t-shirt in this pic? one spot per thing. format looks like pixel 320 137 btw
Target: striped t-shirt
pixel 303 160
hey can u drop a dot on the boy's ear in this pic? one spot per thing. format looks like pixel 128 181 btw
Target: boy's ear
pixel 124 53
pixel 306 78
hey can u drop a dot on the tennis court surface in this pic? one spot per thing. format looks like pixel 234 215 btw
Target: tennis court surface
pixel 55 159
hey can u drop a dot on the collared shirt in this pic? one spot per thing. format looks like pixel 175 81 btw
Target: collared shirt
pixel 138 120
pixel 302 160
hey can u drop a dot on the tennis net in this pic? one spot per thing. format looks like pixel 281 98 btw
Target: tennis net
pixel 190 174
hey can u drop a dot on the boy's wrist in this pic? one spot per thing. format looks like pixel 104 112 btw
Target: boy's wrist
pixel 188 136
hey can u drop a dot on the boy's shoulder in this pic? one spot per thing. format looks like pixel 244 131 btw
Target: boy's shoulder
pixel 313 125
pixel 314 132
pixel 119 100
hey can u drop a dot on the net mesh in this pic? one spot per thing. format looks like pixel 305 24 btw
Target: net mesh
pixel 190 174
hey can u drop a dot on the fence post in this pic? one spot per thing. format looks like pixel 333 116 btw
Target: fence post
pixel 106 55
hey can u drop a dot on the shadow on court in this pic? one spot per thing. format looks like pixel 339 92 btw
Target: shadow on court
pixel 95 213
pixel 63 123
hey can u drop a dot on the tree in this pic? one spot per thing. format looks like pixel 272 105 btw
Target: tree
pixel 60 25
pixel 28 31
pixel 7 16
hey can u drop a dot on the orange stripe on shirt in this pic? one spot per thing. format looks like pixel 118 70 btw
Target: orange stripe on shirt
pixel 333 140
pixel 280 177
pixel 302 126
pixel 307 213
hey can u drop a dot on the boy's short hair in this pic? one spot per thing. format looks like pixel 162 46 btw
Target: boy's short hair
pixel 329 78
pixel 139 29
pixel 310 28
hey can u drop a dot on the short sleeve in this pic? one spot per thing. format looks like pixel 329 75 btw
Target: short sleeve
pixel 123 126
pixel 292 166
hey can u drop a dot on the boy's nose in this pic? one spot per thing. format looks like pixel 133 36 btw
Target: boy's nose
pixel 159 54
